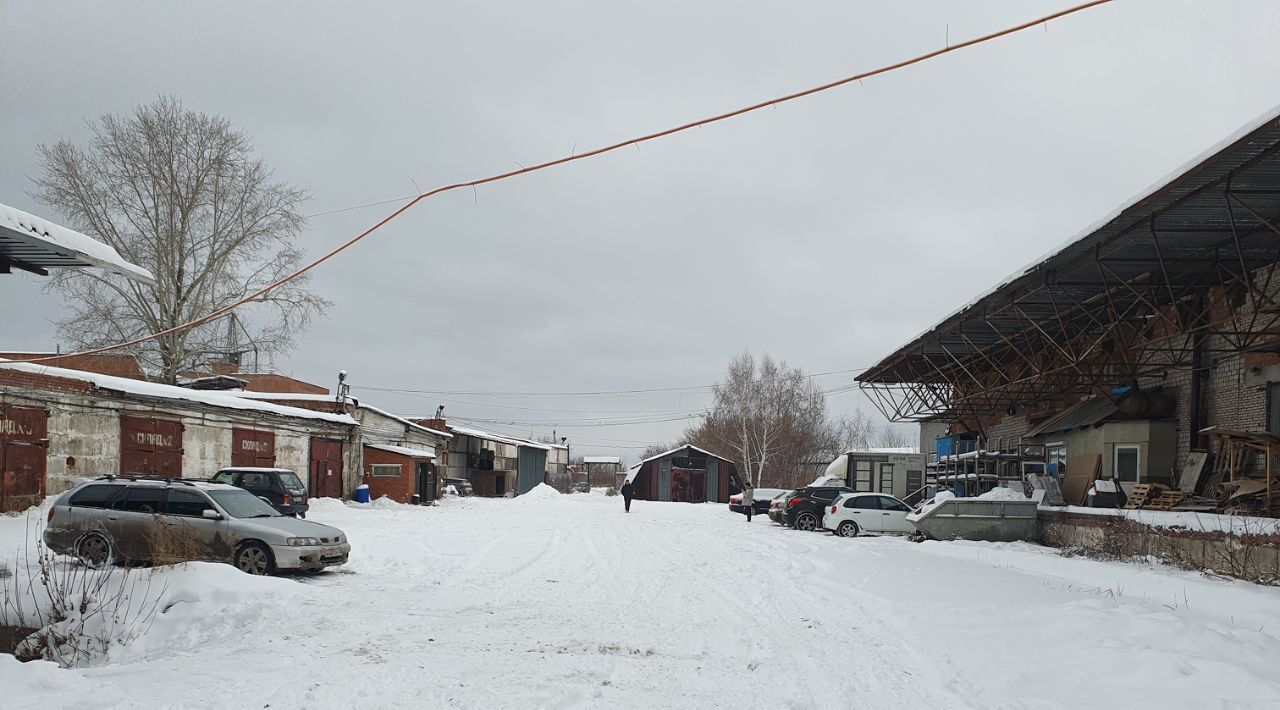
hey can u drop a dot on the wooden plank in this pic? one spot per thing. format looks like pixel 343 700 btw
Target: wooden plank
pixel 1192 470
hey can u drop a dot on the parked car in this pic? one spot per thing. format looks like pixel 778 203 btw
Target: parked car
pixel 804 509
pixel 278 486
pixel 125 520
pixel 582 487
pixel 761 500
pixel 777 505
pixel 853 513
pixel 461 486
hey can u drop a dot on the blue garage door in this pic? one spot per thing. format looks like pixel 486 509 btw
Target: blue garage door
pixel 532 468
pixel 713 481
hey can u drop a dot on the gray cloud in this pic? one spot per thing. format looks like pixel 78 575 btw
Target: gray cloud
pixel 825 232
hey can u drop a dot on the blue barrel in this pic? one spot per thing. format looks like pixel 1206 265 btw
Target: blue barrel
pixel 362 493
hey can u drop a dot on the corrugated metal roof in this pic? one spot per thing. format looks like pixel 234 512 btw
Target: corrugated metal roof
pixel 1170 232
pixel 1085 414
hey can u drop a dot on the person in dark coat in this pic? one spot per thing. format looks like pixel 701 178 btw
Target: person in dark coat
pixel 627 491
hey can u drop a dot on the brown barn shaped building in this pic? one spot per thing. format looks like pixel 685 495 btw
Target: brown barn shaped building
pixel 685 474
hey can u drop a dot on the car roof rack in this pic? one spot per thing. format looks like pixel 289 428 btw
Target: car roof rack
pixel 167 480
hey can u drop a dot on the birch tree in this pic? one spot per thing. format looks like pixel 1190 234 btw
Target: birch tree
pixel 182 194
pixel 766 414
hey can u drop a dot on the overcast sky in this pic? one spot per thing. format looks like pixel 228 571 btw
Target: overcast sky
pixel 826 232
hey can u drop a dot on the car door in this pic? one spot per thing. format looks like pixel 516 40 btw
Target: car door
pixel 187 534
pixel 894 515
pixel 259 484
pixel 132 520
pixel 865 511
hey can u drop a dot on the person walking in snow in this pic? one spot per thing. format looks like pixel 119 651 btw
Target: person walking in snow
pixel 748 499
pixel 627 492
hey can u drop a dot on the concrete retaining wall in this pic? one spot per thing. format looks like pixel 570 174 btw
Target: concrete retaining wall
pixel 1252 557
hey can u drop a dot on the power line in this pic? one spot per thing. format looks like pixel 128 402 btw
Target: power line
pixel 590 393
pixel 699 123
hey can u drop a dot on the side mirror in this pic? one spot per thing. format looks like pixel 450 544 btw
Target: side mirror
pixel 211 514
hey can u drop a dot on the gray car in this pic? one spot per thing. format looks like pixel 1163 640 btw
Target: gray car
pixel 124 520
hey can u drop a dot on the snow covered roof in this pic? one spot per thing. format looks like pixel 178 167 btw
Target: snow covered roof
pixel 892 450
pixel 172 393
pixel 681 448
pixel 307 397
pixel 602 459
pixel 515 441
pixel 426 453
pixel 39 243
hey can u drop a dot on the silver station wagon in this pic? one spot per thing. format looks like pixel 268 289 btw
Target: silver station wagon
pixel 127 520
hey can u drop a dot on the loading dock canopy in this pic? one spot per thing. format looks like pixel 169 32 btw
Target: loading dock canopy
pixel 1116 302
pixel 35 245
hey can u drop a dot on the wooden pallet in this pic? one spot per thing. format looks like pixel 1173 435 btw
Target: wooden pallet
pixel 1143 493
pixel 1166 500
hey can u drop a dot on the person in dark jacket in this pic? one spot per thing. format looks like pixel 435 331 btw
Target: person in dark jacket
pixel 627 491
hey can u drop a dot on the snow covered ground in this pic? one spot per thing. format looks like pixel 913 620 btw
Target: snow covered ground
pixel 567 602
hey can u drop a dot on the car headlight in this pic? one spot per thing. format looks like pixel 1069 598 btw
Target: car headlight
pixel 303 541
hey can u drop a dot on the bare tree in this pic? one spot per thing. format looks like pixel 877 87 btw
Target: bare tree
pixel 893 437
pixel 767 415
pixel 180 193
pixel 852 432
pixel 654 449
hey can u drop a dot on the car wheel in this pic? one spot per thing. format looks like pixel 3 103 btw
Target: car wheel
pixel 95 551
pixel 254 558
pixel 806 522
pixel 847 529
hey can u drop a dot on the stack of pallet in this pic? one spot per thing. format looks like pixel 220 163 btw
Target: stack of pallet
pixel 1166 500
pixel 1143 494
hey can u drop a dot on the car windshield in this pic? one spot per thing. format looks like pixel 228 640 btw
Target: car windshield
pixel 243 504
pixel 289 480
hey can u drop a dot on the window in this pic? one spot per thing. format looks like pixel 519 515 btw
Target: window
pixel 886 478
pixel 188 503
pixel 94 496
pixel 894 504
pixel 1127 463
pixel 385 470
pixel 255 481
pixel 864 503
pixel 826 494
pixel 224 477
pixel 1055 457
pixel 862 476
pixel 240 503
pixel 141 499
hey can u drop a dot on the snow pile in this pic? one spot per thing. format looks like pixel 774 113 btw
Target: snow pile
pixel 541 492
pixel 324 505
pixel 1003 494
pixel 937 500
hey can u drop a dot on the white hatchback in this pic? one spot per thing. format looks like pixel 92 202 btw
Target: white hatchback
pixel 853 513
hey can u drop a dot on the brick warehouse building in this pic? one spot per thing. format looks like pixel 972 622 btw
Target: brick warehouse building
pixel 399 456
pixel 1148 336
pixel 59 425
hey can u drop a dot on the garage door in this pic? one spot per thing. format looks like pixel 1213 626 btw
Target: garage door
pixel 150 447
pixel 23 456
pixel 253 448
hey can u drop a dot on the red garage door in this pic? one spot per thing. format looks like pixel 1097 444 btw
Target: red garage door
pixel 253 448
pixel 326 468
pixel 150 447
pixel 23 456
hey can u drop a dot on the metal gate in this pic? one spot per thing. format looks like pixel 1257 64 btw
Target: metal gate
pixel 426 481
pixel 23 456
pixel 531 468
pixel 253 448
pixel 150 447
pixel 713 481
pixel 664 479
pixel 326 468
